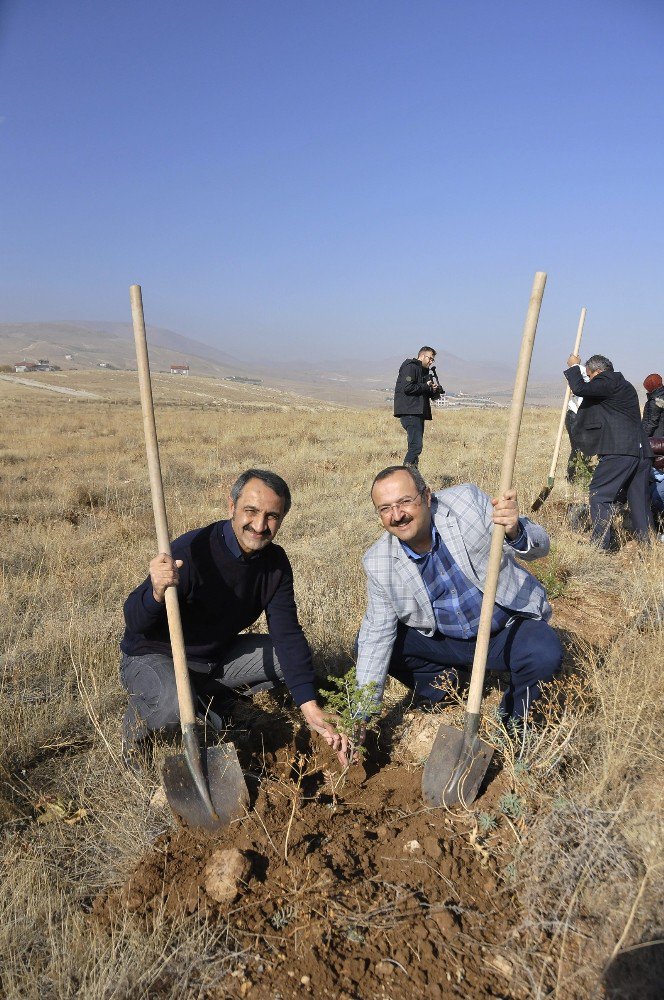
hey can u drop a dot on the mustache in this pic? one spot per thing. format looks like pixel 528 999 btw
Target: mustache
pixel 404 519
pixel 262 534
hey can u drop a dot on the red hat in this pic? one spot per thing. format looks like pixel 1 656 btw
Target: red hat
pixel 652 382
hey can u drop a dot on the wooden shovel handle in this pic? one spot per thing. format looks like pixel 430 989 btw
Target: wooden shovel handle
pixel 506 476
pixel 568 393
pixel 185 700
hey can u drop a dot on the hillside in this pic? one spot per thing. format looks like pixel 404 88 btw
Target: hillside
pixel 346 381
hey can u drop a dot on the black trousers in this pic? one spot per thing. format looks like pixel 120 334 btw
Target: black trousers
pixel 528 652
pixel 613 474
pixel 414 428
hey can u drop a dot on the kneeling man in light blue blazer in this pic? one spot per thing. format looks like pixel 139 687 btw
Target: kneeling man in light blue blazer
pixel 425 576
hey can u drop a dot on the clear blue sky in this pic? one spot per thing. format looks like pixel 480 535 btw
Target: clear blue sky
pixel 349 177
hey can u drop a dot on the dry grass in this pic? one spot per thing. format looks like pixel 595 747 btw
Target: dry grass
pixel 76 532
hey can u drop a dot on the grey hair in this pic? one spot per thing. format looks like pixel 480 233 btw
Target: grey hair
pixel 414 474
pixel 598 363
pixel 271 479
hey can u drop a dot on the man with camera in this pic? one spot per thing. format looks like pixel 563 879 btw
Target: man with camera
pixel 417 384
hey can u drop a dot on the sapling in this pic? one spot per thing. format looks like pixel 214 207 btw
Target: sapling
pixel 355 709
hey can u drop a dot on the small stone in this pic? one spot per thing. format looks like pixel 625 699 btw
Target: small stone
pixel 305 980
pixel 501 965
pixel 225 874
pixel 382 831
pixel 384 969
pixel 411 846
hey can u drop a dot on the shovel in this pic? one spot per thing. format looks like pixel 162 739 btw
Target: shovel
pixel 561 426
pixel 459 761
pixel 204 787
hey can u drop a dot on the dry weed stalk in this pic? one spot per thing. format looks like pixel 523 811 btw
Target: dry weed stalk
pixel 300 763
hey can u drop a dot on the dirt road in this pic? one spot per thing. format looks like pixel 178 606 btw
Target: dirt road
pixel 50 388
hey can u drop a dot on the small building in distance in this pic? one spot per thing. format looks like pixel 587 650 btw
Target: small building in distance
pixel 179 369
pixel 25 366
pixel 466 400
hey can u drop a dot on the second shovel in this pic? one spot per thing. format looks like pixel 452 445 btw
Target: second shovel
pixel 459 761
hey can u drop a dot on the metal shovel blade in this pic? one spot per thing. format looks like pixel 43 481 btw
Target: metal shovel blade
pixel 544 493
pixel 455 769
pixel 225 783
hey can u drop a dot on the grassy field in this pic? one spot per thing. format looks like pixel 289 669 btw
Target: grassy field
pixel 576 851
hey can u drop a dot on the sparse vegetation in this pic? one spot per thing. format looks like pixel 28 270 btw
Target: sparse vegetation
pixel 355 709
pixel 574 873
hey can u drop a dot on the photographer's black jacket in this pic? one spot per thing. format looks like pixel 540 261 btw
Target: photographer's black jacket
pixel 412 392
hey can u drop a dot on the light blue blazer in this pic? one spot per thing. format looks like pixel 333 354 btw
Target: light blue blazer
pixel 396 593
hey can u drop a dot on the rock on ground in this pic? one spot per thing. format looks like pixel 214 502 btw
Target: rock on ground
pixel 226 874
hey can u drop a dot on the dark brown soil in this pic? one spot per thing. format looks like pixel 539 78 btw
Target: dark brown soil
pixel 357 893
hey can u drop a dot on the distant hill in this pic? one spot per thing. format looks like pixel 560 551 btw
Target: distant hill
pixel 91 343
pixel 350 381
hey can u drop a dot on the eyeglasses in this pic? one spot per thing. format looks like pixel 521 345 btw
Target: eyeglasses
pixel 406 503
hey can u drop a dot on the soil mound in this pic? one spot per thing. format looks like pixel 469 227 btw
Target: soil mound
pixel 347 887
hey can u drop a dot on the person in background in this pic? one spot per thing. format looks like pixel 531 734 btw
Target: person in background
pixel 610 418
pixel 653 411
pixel 656 485
pixel 413 392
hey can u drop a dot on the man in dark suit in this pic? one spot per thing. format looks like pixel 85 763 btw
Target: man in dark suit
pixel 416 385
pixel 610 419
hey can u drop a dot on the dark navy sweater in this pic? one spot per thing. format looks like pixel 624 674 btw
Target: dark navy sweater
pixel 221 593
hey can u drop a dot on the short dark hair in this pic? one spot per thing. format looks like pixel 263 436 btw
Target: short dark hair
pixel 415 475
pixel 425 348
pixel 598 363
pixel 271 479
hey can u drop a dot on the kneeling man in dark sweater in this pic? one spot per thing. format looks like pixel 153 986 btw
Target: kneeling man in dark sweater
pixel 226 574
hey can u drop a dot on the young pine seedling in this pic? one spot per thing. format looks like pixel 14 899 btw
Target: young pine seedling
pixel 355 709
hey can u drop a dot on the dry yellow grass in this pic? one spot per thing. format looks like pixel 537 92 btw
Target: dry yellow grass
pixel 76 535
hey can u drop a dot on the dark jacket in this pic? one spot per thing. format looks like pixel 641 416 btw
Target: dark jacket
pixel 609 416
pixel 653 414
pixel 412 392
pixel 220 594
